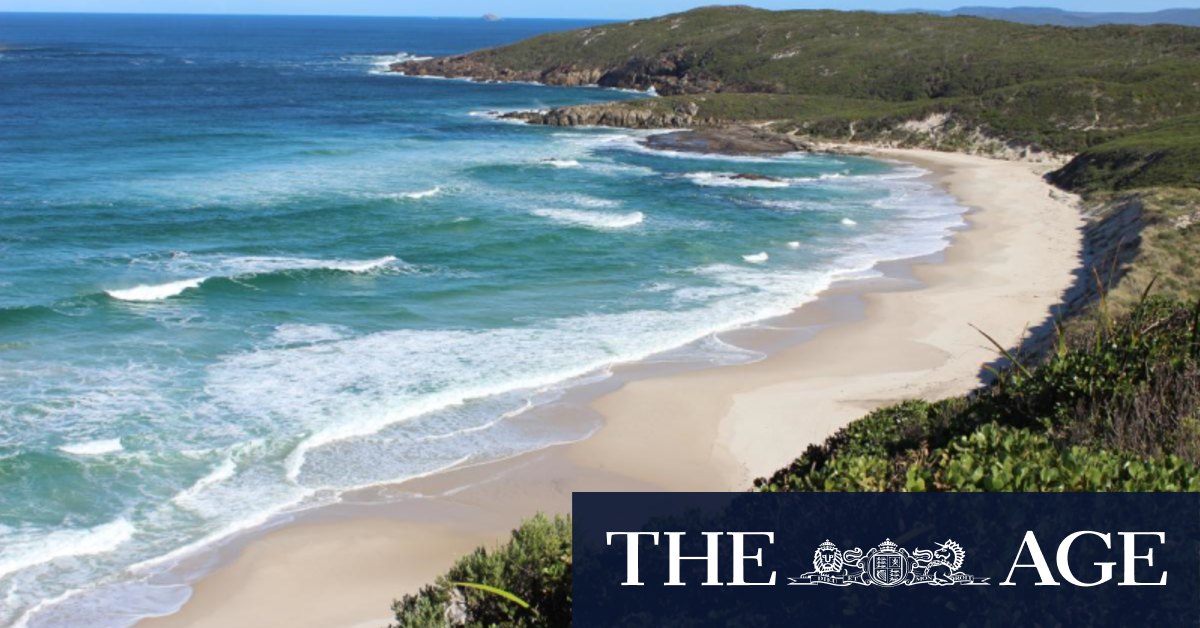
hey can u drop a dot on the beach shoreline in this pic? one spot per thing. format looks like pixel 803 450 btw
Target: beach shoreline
pixel 866 343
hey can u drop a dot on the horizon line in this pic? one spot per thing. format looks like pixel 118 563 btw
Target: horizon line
pixel 425 17
pixel 588 19
pixel 481 17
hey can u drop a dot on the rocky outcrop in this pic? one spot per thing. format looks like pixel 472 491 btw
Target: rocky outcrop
pixel 616 115
pixel 730 140
pixel 479 68
pixel 668 74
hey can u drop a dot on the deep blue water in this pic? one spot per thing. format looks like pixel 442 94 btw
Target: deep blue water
pixel 242 269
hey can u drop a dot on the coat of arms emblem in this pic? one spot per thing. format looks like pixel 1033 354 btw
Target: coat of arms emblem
pixel 888 565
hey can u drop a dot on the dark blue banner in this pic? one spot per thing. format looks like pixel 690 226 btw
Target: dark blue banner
pixel 886 559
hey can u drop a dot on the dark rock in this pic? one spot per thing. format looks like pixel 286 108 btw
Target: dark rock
pixel 750 176
pixel 729 140
pixel 617 115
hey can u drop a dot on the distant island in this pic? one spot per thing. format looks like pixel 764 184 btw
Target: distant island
pixel 1059 17
pixel 491 17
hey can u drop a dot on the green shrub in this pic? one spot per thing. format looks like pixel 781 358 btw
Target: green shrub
pixel 534 565
pixel 1166 154
pixel 996 458
pixel 1116 406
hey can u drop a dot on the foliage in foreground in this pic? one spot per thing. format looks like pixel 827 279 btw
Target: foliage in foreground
pixel 534 565
pixel 1115 408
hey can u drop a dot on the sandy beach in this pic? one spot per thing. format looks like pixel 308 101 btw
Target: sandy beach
pixel 872 342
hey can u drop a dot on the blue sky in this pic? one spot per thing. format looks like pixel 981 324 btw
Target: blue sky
pixel 615 9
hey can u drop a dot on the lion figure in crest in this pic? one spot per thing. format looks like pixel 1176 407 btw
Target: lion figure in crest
pixel 827 559
pixel 831 562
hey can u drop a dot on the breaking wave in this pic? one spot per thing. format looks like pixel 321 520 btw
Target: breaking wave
pixel 591 219
pixel 733 180
pixel 241 267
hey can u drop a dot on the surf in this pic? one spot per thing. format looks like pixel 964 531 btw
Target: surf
pixel 592 219
pixel 235 268
pixel 156 292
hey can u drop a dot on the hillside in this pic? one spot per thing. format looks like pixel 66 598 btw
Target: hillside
pixel 952 83
pixel 1059 17
pixel 897 57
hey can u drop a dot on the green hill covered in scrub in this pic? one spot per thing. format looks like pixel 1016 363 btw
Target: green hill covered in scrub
pixel 955 83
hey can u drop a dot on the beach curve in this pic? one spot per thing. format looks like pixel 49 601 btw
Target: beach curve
pixel 708 429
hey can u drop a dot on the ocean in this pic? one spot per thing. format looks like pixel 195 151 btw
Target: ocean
pixel 243 270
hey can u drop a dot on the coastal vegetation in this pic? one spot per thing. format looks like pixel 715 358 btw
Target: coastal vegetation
pixel 534 566
pixel 1114 407
pixel 1138 237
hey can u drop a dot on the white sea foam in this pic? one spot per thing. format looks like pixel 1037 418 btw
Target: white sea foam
pixel 591 219
pixel 793 244
pixel 849 222
pixel 93 447
pixel 704 294
pixel 658 286
pixel 224 471
pixel 757 258
pixel 435 77
pixel 631 141
pixel 561 163
pixel 433 191
pixel 497 114
pixel 900 173
pixel 382 64
pixel 250 265
pixel 296 333
pixel 302 387
pixel 311 383
pixel 22 553
pixel 238 266
pixel 582 200
pixel 732 180
pixel 234 267
pixel 156 292
pixel 793 206
pixel 245 506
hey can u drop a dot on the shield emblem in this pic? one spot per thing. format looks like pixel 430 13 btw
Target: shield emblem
pixel 887 568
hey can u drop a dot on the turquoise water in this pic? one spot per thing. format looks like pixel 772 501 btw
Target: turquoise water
pixel 242 270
